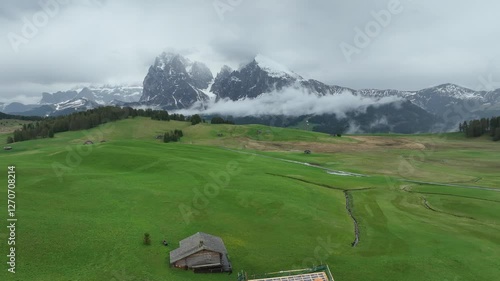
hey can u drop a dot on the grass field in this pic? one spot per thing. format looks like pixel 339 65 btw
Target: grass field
pixel 82 210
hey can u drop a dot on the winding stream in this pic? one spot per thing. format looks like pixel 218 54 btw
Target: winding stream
pixel 349 211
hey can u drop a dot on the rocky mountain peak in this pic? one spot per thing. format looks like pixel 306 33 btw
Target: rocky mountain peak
pixel 201 75
pixel 174 82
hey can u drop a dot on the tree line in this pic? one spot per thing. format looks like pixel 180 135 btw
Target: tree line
pixel 220 120
pixel 18 117
pixel 480 127
pixel 47 127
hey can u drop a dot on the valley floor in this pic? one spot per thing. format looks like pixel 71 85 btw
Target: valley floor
pixel 83 210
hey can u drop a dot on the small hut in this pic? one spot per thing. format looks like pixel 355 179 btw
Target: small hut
pixel 7 148
pixel 203 253
pixel 88 142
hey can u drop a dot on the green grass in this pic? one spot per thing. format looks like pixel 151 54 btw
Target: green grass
pixel 86 220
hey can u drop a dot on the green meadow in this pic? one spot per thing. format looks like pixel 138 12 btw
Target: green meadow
pixel 82 210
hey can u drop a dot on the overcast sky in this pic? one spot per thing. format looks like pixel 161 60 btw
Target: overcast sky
pixel 424 43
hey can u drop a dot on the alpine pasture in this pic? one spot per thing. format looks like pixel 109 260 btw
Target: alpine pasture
pixel 427 207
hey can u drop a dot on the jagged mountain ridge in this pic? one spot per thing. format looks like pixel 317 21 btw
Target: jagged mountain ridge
pixel 452 103
pixel 262 75
pixel 174 82
pixel 62 108
pixel 101 95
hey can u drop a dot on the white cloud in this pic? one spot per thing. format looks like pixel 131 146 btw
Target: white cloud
pixel 288 102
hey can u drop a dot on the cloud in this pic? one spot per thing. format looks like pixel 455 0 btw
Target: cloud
pixel 288 102
pixel 24 99
pixel 115 41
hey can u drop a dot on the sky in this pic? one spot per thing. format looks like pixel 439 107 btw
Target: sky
pixel 52 45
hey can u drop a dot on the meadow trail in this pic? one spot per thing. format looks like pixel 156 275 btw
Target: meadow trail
pixel 427 206
pixel 452 195
pixel 329 171
pixel 452 185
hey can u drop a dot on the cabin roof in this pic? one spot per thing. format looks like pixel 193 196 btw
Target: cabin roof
pixel 196 243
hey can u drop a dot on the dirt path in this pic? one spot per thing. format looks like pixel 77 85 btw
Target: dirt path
pixel 329 171
pixel 426 204
pixel 452 195
pixel 452 185
pixel 348 144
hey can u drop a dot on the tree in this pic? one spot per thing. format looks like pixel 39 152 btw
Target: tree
pixel 196 119
pixel 493 126
pixel 10 139
pixel 178 133
pixel 497 134
pixel 484 126
pixel 217 120
pixel 166 137
pixel 147 239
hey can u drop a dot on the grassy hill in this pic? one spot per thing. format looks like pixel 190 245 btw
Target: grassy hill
pixel 83 209
pixel 8 126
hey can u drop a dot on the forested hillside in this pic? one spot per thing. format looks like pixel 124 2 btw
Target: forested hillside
pixel 480 127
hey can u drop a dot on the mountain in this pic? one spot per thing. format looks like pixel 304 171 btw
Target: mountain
pixel 263 75
pixel 74 105
pixel 398 117
pixel 40 110
pixel 57 97
pixel 174 82
pixel 62 108
pixel 66 102
pixel 102 95
pixel 17 107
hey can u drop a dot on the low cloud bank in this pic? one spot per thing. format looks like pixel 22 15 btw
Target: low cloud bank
pixel 289 102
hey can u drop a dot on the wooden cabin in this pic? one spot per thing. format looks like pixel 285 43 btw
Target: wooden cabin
pixel 203 253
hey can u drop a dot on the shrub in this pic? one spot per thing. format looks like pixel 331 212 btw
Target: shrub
pixel 147 239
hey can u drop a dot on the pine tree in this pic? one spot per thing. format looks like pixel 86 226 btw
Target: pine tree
pixel 497 134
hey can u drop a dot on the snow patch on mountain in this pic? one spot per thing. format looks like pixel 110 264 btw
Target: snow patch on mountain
pixel 76 104
pixel 208 91
pixel 274 68
pixel 455 91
